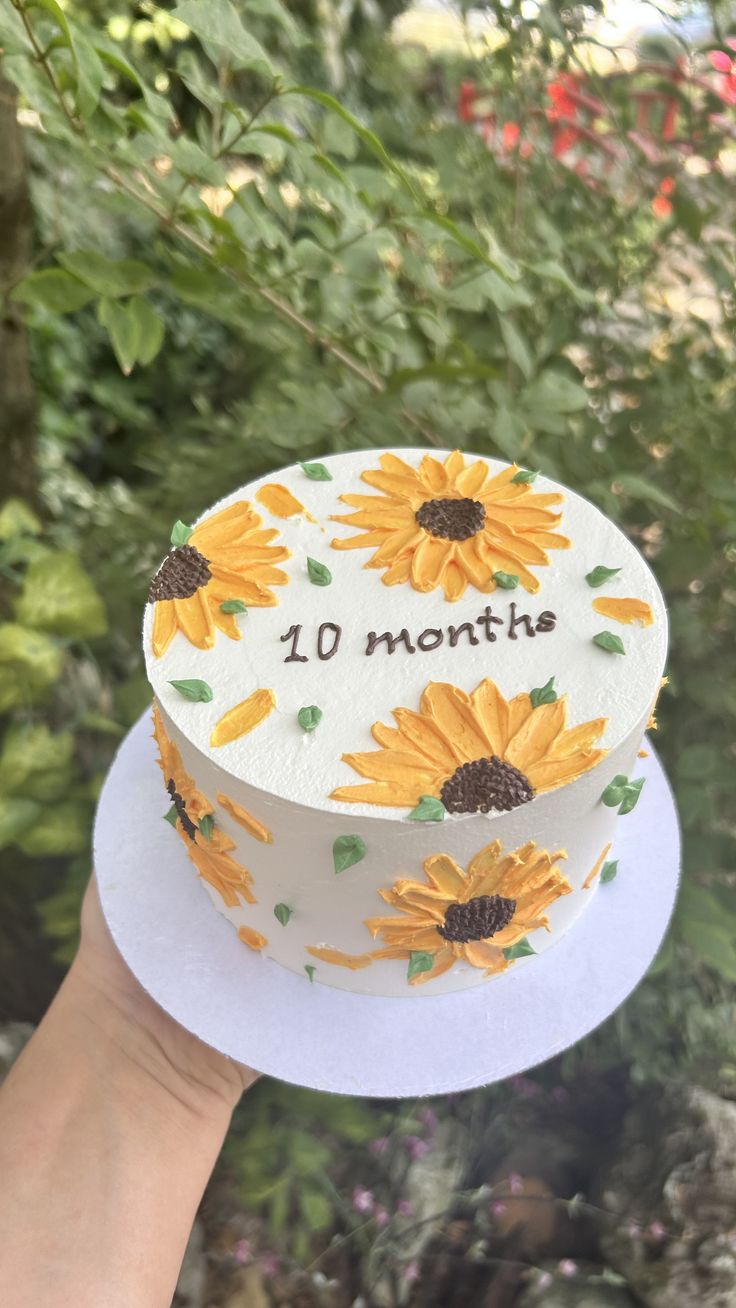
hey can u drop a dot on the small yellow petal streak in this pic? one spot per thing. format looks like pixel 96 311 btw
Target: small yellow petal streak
pixel 244 717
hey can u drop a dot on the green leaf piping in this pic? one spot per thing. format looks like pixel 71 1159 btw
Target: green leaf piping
pixel 180 533
pixel 429 809
pixel 316 471
pixel 545 694
pixel 310 970
pixel 609 870
pixel 309 717
pixel 522 949
pixel 610 642
pixel 319 574
pixel 172 816
pixel 600 575
pixel 233 606
pixel 282 913
pixel 199 692
pixel 525 477
pixel 348 850
pixel 506 580
pixel 420 960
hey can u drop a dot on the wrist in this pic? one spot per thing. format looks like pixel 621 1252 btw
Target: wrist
pixel 147 1053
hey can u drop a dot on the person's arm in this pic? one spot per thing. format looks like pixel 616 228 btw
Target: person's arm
pixel 110 1124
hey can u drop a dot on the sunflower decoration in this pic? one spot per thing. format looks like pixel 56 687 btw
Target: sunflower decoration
pixel 452 525
pixel 472 916
pixel 207 845
pixel 477 753
pixel 225 564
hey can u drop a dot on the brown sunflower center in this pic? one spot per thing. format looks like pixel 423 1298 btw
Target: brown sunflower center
pixel 181 574
pixel 181 810
pixel 485 784
pixel 479 919
pixel 451 519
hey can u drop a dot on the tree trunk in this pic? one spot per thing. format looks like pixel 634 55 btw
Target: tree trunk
pixel 17 409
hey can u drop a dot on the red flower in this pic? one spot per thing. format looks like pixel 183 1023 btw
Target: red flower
pixel 661 206
pixel 564 139
pixel 510 135
pixel 724 64
pixel 563 94
pixel 466 100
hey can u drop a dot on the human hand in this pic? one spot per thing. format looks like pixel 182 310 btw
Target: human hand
pixel 107 992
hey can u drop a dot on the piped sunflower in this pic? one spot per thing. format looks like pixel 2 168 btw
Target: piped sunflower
pixel 227 557
pixel 477 753
pixel 473 915
pixel 209 852
pixel 452 525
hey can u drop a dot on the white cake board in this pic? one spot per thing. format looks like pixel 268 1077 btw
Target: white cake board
pixel 190 960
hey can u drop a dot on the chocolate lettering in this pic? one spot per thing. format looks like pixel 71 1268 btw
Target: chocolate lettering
pixel 336 633
pixel 293 635
pixel 391 641
pixel 485 620
pixel 514 622
pixel 437 636
pixel 546 621
pixel 454 634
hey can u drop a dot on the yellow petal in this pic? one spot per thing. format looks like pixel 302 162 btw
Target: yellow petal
pixel 428 564
pixel 279 501
pixel 336 956
pixel 445 874
pixel 624 610
pixel 379 792
pixel 164 627
pixel 547 775
pixel 195 619
pixel 454 464
pixel 535 736
pixel 470 481
pixel 426 736
pixel 391 765
pixel 493 714
pixel 251 937
pixel 455 582
pixel 484 863
pixel 482 953
pixel 244 717
pixel 519 709
pixel 579 738
pixel 246 819
pixel 595 868
pixel 433 475
pixel 451 709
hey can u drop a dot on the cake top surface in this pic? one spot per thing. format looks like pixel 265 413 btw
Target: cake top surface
pixel 501 629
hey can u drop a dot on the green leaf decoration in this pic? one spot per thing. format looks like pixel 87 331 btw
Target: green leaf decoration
pixel 195 690
pixel 207 825
pixel 545 694
pixel 610 642
pixel 319 575
pixel 316 471
pixel 615 791
pixel 609 870
pixel 623 794
pixel 522 949
pixel 524 477
pixel 506 580
pixel 429 809
pixel 631 798
pixel 172 816
pixel 180 533
pixel 233 606
pixel 282 913
pixel 310 970
pixel 309 717
pixel 420 960
pixel 346 851
pixel 600 575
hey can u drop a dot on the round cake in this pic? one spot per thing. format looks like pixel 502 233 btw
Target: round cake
pixel 399 699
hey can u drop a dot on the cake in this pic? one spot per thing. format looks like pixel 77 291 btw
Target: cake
pixel 399 699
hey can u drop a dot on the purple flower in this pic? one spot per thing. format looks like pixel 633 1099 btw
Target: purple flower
pixel 379 1145
pixel 415 1146
pixel 516 1183
pixel 362 1200
pixel 380 1216
pixel 498 1208
pixel 567 1267
pixel 657 1231
pixel 269 1264
pixel 524 1088
pixel 242 1251
pixel 404 1208
pixel 544 1280
pixel 429 1119
pixel 411 1272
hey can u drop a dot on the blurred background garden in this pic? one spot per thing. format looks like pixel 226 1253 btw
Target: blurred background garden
pixel 239 233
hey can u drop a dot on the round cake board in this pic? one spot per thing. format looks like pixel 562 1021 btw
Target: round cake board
pixel 190 960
